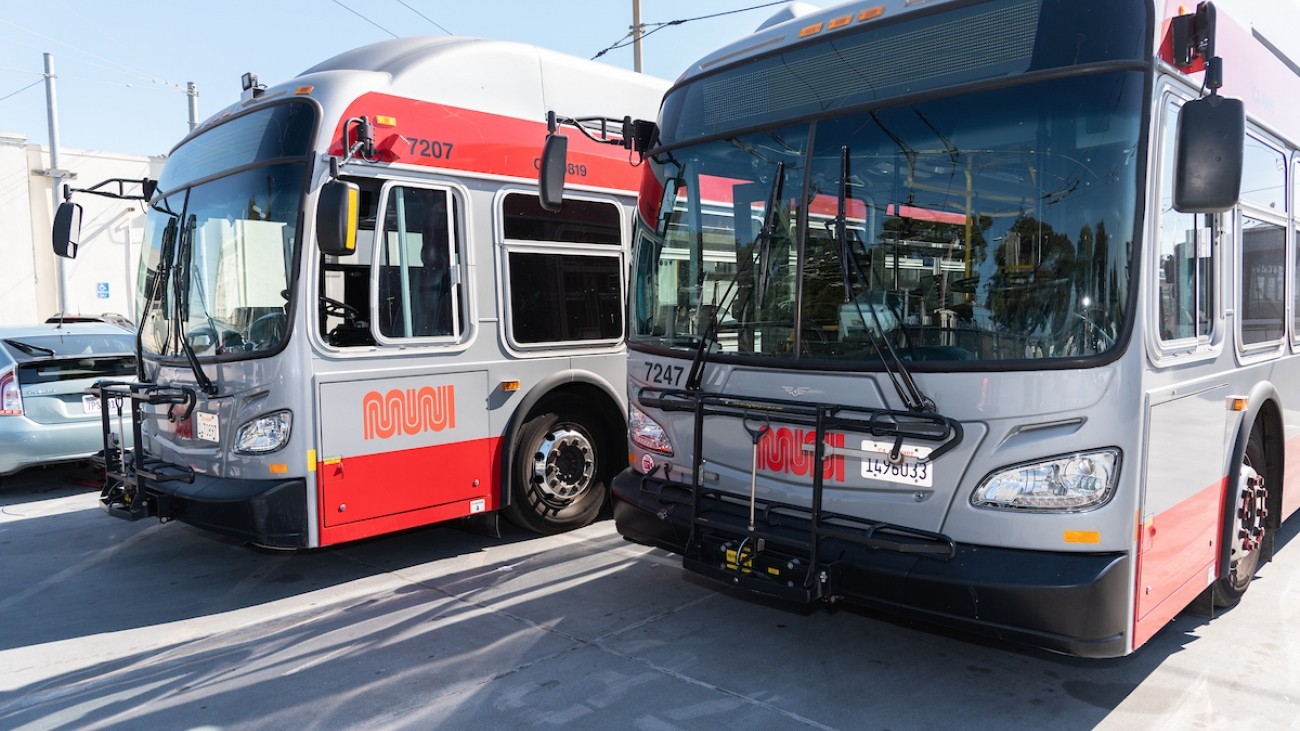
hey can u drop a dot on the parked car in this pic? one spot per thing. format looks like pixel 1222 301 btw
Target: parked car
pixel 112 317
pixel 45 414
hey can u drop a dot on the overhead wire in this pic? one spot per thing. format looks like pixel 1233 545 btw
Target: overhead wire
pixel 363 17
pixel 106 63
pixel 620 43
pixel 422 15
pixel 25 88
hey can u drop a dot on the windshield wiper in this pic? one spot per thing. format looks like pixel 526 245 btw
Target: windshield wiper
pixel 181 290
pixel 908 391
pixel 763 244
pixel 766 236
pixel 28 348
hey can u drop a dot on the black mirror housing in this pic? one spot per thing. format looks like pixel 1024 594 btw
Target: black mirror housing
pixel 67 229
pixel 1208 155
pixel 337 215
pixel 550 175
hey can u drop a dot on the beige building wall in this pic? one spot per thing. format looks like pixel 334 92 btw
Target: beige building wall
pixel 33 282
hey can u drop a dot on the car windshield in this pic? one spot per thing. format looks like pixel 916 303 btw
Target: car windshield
pixel 984 227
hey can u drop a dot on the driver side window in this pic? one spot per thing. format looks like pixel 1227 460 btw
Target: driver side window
pixel 408 254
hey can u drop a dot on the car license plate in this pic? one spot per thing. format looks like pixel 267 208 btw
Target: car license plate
pixel 915 469
pixel 91 404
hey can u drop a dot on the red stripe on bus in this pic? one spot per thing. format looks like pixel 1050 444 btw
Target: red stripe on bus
pixel 370 495
pixel 441 136
pixel 1177 550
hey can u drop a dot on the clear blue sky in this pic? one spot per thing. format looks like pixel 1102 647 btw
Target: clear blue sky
pixel 122 65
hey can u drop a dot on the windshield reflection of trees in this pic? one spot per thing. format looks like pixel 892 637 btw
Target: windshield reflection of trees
pixel 975 231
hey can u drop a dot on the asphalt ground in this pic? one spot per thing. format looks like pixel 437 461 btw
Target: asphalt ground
pixel 110 624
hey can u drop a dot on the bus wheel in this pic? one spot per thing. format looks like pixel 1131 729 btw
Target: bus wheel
pixel 558 483
pixel 1249 530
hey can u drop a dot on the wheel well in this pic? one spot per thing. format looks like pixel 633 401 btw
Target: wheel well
pixel 1270 421
pixel 612 427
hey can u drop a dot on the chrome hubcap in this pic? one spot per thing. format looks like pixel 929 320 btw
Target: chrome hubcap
pixel 1248 523
pixel 563 464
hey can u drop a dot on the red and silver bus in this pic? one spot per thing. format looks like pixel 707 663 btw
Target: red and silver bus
pixel 985 313
pixel 355 315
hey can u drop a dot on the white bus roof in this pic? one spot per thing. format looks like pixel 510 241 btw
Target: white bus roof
pixel 499 77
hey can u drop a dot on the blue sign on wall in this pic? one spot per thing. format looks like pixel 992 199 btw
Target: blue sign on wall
pixel 101 290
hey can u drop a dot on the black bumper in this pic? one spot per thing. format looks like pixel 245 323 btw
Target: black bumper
pixel 264 512
pixel 1066 602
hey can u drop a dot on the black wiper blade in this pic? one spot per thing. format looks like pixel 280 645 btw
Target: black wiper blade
pixel 181 290
pixel 763 243
pixel 904 384
pixel 28 348
pixel 766 235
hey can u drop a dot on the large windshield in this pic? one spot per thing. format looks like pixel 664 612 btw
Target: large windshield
pixel 988 226
pixel 219 257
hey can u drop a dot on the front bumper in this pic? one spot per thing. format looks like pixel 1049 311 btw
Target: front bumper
pixel 1075 603
pixel 264 512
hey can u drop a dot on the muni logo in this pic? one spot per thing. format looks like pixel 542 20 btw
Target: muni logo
pixel 782 450
pixel 412 411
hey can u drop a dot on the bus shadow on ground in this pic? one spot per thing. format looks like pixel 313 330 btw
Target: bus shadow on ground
pixel 84 573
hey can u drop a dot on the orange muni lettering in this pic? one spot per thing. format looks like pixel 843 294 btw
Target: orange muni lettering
pixel 428 408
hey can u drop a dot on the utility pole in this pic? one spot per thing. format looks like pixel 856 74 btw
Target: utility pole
pixel 55 173
pixel 636 35
pixel 192 90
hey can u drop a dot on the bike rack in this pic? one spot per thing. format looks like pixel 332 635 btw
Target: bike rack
pixel 780 553
pixel 127 471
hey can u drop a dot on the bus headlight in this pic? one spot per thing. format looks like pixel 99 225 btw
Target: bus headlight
pixel 265 434
pixel 646 433
pixel 1068 484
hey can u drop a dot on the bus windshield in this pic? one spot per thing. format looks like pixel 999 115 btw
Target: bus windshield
pixel 219 258
pixel 988 227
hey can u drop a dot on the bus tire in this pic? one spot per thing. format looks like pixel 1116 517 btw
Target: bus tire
pixel 1248 533
pixel 558 476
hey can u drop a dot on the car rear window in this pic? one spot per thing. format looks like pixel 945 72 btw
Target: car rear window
pixel 70 356
pixel 37 347
pixel 49 371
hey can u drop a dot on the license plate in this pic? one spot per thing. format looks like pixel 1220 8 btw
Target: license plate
pixel 91 404
pixel 207 427
pixel 914 469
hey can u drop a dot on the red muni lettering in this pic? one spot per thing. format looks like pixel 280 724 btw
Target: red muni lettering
pixel 783 450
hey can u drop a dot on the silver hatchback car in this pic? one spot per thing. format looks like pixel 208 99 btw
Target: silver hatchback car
pixel 45 414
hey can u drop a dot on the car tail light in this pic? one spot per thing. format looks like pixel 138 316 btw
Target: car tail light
pixel 11 397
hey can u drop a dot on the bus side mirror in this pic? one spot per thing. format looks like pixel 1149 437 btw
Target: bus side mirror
pixel 550 176
pixel 337 214
pixel 1208 155
pixel 67 229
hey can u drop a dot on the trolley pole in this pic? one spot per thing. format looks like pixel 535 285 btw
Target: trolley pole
pixel 636 35
pixel 192 91
pixel 55 173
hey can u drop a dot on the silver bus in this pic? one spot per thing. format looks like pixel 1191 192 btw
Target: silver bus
pixel 356 316
pixel 985 313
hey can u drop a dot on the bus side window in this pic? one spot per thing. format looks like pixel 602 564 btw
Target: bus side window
pixel 571 288
pixel 1263 243
pixel 417 265
pixel 1185 271
pixel 1295 237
